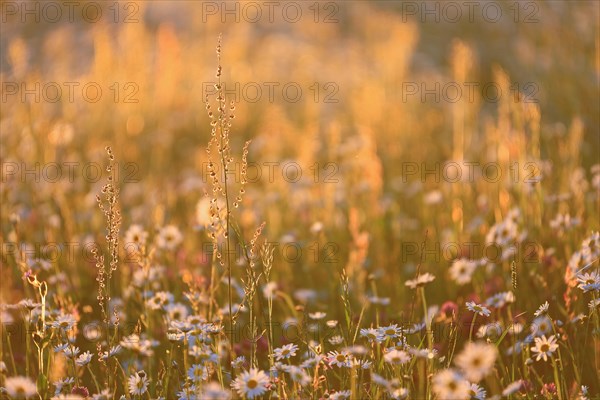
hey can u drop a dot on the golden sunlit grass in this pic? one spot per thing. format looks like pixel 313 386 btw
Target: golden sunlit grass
pixel 322 218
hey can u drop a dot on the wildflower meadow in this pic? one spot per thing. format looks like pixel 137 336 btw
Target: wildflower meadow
pixel 300 200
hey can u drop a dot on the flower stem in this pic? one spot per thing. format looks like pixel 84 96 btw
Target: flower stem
pixel 557 379
pixel 472 326
pixel 94 378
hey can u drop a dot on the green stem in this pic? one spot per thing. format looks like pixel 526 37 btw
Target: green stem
pixel 429 340
pixel 166 392
pixel 12 356
pixel 94 378
pixel 472 326
pixel 27 345
pixel 557 379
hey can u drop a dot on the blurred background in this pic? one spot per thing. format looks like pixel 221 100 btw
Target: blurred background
pixel 351 92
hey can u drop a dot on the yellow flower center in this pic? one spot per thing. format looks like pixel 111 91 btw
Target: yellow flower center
pixel 252 383
pixel 544 347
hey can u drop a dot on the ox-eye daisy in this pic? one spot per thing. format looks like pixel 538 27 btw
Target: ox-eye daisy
pixel 421 280
pixel 20 387
pixel 138 383
pixel 450 385
pixel 396 357
pixel 543 309
pixel 544 347
pixel 476 360
pixel 252 383
pixel 478 308
pixel 339 359
pixel 462 270
pixel 285 352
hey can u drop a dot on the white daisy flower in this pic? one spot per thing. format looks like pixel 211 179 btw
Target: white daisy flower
pixel 64 322
pixel 492 331
pixel 160 300
pixel 317 315
pixel 478 308
pixel 339 359
pixel 238 362
pixel 477 392
pixel 269 289
pixel 20 387
pixel 332 323
pixel 112 352
pixel 252 383
pixel 589 281
pixel 29 304
pixel 544 347
pixel 584 393
pixel 84 359
pixel 58 385
pixel 135 238
pixel 361 364
pixel 177 311
pixel 169 237
pixel 175 336
pixel 421 280
pixel 138 383
pixel 370 333
pixel 541 326
pixel 399 394
pixel 476 360
pixel 298 375
pixel 285 352
pixel 499 300
pixel 71 351
pixel 396 357
pixel 187 393
pixel 335 340
pixel 543 309
pixel 213 391
pixel 462 271
pixel 197 373
pixel 389 332
pixel 450 385
pixel 344 394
